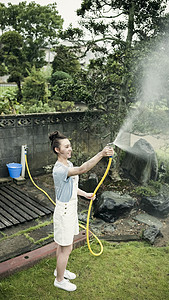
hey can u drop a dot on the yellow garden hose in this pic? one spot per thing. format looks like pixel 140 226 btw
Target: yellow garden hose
pixel 90 205
pixel 89 210
pixel 26 162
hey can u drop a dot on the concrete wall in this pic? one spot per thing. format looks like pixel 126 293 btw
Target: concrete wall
pixel 33 130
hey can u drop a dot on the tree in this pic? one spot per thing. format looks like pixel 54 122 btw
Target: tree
pixel 38 25
pixel 120 22
pixel 13 59
pixel 35 89
pixel 66 80
pixel 116 29
pixel 3 17
pixel 65 60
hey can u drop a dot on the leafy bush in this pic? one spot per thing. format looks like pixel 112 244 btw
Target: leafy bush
pixel 163 162
pixel 64 105
pixel 34 88
pixel 38 108
pixel 152 189
pixel 9 104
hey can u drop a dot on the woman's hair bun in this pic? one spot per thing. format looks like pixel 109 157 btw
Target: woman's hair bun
pixel 54 135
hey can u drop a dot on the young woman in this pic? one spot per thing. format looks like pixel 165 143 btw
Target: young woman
pixel 65 216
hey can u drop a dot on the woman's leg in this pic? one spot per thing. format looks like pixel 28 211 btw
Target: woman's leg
pixel 62 254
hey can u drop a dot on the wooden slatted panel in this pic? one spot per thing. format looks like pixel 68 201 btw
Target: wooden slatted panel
pixel 11 204
pixel 27 213
pixel 14 211
pixel 5 221
pixel 17 207
pixel 35 202
pixel 9 216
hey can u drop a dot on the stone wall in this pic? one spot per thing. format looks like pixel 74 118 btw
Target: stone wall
pixel 33 130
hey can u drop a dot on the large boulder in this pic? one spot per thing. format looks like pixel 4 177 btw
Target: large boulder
pixel 157 206
pixel 112 205
pixel 140 162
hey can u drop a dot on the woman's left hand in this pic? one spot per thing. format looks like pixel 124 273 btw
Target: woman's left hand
pixel 90 196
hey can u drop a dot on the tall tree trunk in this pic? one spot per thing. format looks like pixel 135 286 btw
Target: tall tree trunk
pixel 19 95
pixel 130 25
pixel 130 32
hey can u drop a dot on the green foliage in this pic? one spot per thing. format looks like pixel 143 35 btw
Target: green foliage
pixel 67 82
pixel 65 60
pixel 139 20
pixel 10 105
pixel 63 105
pixel 34 88
pixel 46 72
pixel 59 77
pixel 152 189
pixel 145 191
pixel 38 25
pixel 114 78
pixel 65 88
pixel 13 58
pixel 163 162
pixel 8 102
pixel 103 80
pixel 39 107
pixel 12 40
pixel 60 88
pixel 33 27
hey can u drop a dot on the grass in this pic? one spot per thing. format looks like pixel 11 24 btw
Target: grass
pixel 131 271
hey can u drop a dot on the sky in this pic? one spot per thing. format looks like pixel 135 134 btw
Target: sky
pixel 66 8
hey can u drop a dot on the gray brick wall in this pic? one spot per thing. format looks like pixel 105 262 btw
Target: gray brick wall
pixel 33 130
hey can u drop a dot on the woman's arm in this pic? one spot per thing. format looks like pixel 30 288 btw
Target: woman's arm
pixel 84 194
pixel 88 165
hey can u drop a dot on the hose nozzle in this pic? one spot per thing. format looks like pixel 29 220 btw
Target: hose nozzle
pixel 110 145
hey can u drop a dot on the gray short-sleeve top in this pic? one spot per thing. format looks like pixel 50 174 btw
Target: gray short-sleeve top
pixel 63 184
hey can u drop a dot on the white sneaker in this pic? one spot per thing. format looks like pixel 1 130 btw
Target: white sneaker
pixel 67 274
pixel 65 284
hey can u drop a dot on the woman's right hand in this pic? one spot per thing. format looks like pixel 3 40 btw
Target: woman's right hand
pixel 108 151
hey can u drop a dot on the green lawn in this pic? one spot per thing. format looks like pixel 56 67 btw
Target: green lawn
pixel 131 271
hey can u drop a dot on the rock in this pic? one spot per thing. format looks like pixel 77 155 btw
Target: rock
pixel 83 217
pixel 151 233
pixel 149 220
pixel 157 205
pixel 140 163
pixel 108 228
pixel 89 184
pixel 112 205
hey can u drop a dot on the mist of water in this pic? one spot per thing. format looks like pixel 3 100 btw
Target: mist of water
pixel 149 118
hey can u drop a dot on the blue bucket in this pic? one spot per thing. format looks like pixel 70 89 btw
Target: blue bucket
pixel 14 170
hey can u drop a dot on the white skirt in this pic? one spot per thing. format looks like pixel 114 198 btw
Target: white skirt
pixel 65 221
